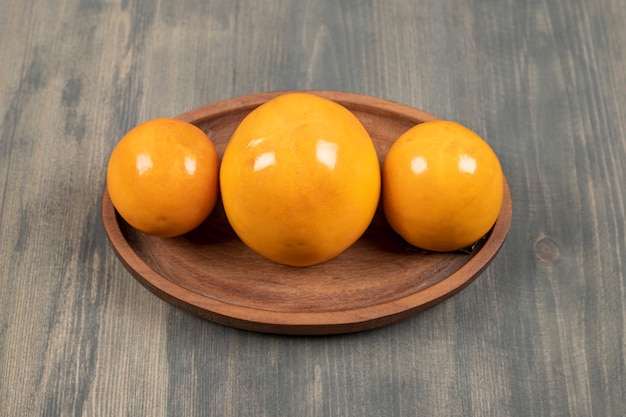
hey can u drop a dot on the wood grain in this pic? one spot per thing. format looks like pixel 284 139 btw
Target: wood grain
pixel 541 333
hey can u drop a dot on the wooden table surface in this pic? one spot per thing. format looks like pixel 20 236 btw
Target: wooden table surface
pixel 540 333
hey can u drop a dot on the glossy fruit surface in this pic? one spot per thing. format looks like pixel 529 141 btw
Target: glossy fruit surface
pixel 300 179
pixel 162 177
pixel 442 186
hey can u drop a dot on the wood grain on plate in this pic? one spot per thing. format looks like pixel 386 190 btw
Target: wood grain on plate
pixel 210 273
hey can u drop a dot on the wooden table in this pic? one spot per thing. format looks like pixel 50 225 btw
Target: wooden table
pixel 540 333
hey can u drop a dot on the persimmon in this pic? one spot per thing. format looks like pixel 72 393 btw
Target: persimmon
pixel 442 186
pixel 162 177
pixel 300 179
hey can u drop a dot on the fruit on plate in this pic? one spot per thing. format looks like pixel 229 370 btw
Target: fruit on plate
pixel 300 179
pixel 162 177
pixel 442 186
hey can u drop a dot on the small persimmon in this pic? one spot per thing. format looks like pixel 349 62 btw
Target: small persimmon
pixel 442 186
pixel 162 177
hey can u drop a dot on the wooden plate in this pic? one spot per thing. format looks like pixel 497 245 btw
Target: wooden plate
pixel 379 280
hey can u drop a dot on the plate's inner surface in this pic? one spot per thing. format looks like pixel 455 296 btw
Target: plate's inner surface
pixel 213 262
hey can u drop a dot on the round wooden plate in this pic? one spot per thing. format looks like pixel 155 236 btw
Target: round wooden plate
pixel 380 280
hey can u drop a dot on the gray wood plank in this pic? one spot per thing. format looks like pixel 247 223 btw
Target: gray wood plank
pixel 540 333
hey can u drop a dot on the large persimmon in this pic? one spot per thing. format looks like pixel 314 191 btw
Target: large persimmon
pixel 300 179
